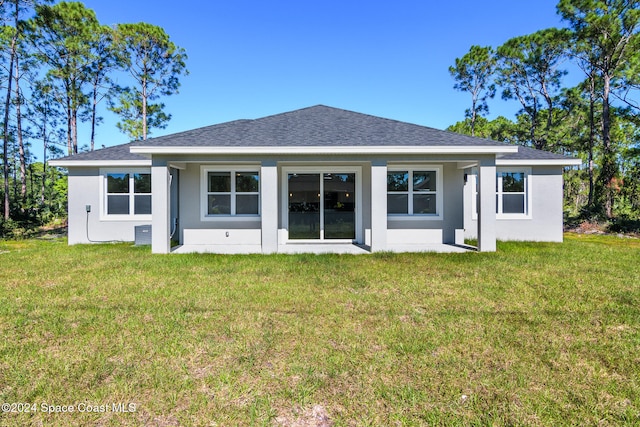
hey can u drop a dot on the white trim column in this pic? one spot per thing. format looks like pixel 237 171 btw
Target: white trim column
pixel 160 208
pixel 487 205
pixel 269 206
pixel 378 205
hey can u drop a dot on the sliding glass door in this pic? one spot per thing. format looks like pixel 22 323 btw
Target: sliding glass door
pixel 322 205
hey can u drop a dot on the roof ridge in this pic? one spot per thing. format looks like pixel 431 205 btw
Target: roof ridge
pixel 393 121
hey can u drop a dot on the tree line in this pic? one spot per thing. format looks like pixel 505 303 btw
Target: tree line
pixel 597 120
pixel 58 63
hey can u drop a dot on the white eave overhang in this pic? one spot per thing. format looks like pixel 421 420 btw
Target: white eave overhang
pixel 99 163
pixel 333 150
pixel 539 162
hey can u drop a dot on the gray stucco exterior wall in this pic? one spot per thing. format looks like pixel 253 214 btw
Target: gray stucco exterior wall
pixel 546 222
pixel 85 188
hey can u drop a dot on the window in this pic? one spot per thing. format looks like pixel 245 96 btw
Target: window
pixel 231 192
pixel 128 193
pixel 414 192
pixel 511 195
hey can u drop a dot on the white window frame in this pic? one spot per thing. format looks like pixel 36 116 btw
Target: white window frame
pixel 131 216
pixel 204 192
pixel 527 193
pixel 528 196
pixel 439 215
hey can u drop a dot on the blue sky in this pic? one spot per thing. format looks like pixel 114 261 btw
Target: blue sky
pixel 249 59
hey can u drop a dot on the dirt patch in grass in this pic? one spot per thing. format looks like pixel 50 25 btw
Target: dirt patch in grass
pixel 314 416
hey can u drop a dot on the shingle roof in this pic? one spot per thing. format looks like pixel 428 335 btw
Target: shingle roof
pixel 117 152
pixel 318 126
pixel 526 153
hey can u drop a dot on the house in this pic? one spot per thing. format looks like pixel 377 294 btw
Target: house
pixel 318 179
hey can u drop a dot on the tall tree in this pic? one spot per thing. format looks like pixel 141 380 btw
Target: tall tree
pixel 26 69
pixel 64 36
pixel 21 149
pixel 529 72
pixel 12 36
pixel 10 33
pixel 44 115
pixel 106 59
pixel 581 103
pixel 155 63
pixel 473 73
pixel 609 28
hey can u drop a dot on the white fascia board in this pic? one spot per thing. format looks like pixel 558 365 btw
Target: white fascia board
pixel 540 162
pixel 98 163
pixel 327 150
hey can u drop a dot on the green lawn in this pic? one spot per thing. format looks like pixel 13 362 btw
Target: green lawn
pixel 535 334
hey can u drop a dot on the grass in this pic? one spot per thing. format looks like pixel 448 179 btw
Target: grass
pixel 535 334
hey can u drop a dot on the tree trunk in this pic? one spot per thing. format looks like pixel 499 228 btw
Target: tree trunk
pixel 74 130
pixel 532 130
pixel 592 135
pixel 608 162
pixel 69 127
pixel 473 124
pixel 473 118
pixel 21 152
pixel 93 114
pixel 144 109
pixel 5 151
pixel 545 141
pixel 15 182
pixel 45 145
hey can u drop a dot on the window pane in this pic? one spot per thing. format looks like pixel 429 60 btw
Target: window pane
pixel 397 203
pixel 219 205
pixel 247 182
pixel 424 181
pixel 142 183
pixel 512 182
pixel 219 182
pixel 424 204
pixel 117 183
pixel 397 181
pixel 142 205
pixel 118 205
pixel 513 203
pixel 247 205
